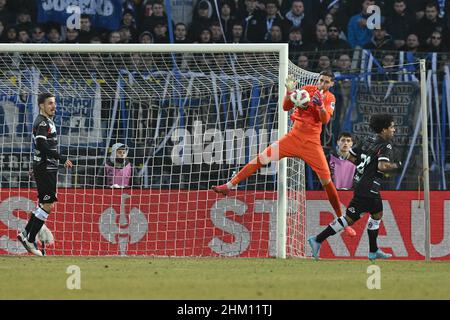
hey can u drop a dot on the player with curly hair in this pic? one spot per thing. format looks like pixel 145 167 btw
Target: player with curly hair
pixel 373 158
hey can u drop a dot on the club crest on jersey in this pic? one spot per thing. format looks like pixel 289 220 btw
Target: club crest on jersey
pixel 43 124
pixel 332 105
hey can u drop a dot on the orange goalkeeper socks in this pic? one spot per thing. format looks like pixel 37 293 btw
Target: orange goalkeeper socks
pixel 333 198
pixel 249 169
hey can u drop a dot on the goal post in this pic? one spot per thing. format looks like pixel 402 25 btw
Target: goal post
pixel 188 115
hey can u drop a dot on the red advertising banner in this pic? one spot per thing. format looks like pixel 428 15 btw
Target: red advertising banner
pixel 201 223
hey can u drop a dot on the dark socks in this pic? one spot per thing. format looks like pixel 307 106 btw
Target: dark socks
pixel 373 235
pixel 33 226
pixel 325 234
pixel 336 226
pixel 30 223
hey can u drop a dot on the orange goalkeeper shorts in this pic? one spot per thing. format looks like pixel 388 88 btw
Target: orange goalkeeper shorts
pixel 301 145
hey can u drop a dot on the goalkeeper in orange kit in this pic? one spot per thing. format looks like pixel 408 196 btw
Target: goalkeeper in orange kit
pixel 303 141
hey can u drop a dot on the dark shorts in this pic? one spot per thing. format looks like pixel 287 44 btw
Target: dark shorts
pixel 360 205
pixel 46 185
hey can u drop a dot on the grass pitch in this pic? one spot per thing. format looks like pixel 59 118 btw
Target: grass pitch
pixel 219 278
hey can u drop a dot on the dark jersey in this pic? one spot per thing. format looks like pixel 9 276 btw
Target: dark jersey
pixel 368 179
pixel 45 157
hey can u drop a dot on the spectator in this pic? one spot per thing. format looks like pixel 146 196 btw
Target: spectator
pixel 259 25
pixel 201 20
pixel 342 170
pixel 412 43
pixel 54 35
pixel 146 10
pixel 418 7
pixel 216 32
pixel 390 72
pixel 254 21
pixel 24 20
pixel 23 36
pixel 180 33
pixel 146 37
pixel 118 169
pixel 125 35
pixel 333 41
pixel 298 18
pixel 328 19
pixel 388 62
pixel 11 34
pixel 157 15
pixel 38 35
pixel 63 62
pixel 324 63
pixel 86 30
pixel 380 40
pixel 72 36
pixel 94 61
pixel 400 23
pixel 276 34
pixel 312 8
pixel 337 11
pixel 296 44
pixel 431 22
pixel 227 16
pixel 436 43
pixel 344 64
pixel 321 36
pixel 114 37
pixel 273 17
pixel 129 22
pixel 248 9
pixel 160 32
pixel 237 33
pixel 358 34
pixel 303 62
pixel 205 36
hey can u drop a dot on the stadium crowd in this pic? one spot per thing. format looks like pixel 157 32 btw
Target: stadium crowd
pixel 307 25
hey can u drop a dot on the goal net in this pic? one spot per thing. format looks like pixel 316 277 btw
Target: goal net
pixel 186 117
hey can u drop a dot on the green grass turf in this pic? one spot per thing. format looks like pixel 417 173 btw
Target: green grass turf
pixel 219 278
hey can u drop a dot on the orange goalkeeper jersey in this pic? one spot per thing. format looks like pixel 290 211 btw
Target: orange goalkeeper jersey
pixel 310 120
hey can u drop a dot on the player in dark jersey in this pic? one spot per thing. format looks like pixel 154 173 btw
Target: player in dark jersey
pixel 373 158
pixel 45 169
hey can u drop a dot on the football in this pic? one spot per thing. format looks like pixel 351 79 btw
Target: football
pixel 300 98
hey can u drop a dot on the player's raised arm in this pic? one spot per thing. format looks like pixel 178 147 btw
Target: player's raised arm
pixel 323 99
pixel 290 85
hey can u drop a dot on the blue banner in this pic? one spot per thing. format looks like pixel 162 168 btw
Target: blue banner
pixel 105 14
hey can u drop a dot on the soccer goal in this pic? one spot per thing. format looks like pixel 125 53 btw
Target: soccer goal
pixel 185 118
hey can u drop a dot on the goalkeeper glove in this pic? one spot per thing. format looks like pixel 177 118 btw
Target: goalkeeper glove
pixel 290 83
pixel 317 100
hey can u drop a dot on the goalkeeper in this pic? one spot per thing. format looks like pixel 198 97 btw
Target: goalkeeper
pixel 303 141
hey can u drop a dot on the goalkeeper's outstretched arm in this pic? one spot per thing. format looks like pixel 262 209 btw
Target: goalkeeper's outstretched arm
pixel 290 87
